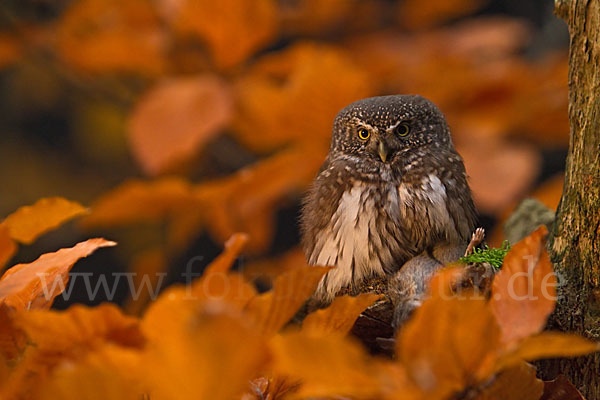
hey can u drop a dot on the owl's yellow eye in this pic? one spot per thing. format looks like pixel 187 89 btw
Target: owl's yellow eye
pixel 363 134
pixel 402 129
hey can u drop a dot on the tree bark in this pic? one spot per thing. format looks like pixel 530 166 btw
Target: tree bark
pixel 575 238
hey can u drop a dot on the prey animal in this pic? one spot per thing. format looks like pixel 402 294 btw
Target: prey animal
pixel 391 200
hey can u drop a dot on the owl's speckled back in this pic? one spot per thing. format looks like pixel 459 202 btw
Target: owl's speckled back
pixel 391 188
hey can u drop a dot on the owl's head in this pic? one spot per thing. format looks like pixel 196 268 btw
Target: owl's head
pixel 383 129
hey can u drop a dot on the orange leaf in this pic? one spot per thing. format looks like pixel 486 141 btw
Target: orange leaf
pixel 516 383
pixel 414 14
pixel 232 29
pixel 314 16
pixel 524 291
pixel 245 201
pixel 327 366
pixel 29 222
pixel 273 309
pixel 497 35
pixel 176 118
pixel 550 192
pixel 396 383
pixel 149 269
pixel 340 316
pixel 231 289
pixel 493 163
pixel 548 345
pixel 62 338
pixel 216 288
pixel 200 353
pixel 261 188
pixel 4 373
pixel 80 327
pixel 561 389
pixel 35 285
pixel 546 120
pixel 139 201
pixel 276 97
pixel 223 263
pixel 217 283
pixel 271 268
pixel 242 202
pixel 450 342
pixel 12 339
pixel 7 246
pixel 109 373
pixel 105 36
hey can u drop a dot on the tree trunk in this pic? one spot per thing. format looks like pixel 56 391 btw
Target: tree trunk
pixel 575 238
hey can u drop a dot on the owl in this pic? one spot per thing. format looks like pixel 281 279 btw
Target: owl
pixel 391 199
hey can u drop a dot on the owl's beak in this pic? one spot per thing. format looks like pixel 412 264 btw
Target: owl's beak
pixel 383 151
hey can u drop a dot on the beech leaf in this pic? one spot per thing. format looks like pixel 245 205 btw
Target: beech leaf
pixel 201 353
pixel 413 15
pixel 450 341
pixel 317 79
pixel 561 389
pixel 149 269
pixel 223 263
pixel 29 222
pixel 176 118
pixel 12 339
pixel 64 338
pixel 217 288
pixel 107 373
pixel 524 291
pixel 80 327
pixel 548 345
pixel 139 201
pixel 7 246
pixel 35 285
pixel 515 383
pixel 270 311
pixel 232 29
pixel 271 268
pixel 106 36
pixel 340 316
pixel 327 365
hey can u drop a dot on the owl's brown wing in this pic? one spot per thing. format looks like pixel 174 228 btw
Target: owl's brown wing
pixel 460 202
pixel 321 202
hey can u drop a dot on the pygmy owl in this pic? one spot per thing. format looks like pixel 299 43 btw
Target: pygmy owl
pixel 391 199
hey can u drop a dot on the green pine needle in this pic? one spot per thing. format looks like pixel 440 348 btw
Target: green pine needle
pixel 492 256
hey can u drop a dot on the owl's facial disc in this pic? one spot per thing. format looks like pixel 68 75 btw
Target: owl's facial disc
pixel 381 132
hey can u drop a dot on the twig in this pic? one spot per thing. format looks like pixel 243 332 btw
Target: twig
pixel 476 238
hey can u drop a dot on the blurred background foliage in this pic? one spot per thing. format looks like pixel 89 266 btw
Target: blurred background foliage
pixel 180 122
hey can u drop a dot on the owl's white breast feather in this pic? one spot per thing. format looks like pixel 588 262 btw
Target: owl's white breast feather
pixel 347 244
pixel 344 243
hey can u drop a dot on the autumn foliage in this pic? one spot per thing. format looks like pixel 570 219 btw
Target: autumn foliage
pixel 171 78
pixel 214 114
pixel 219 338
